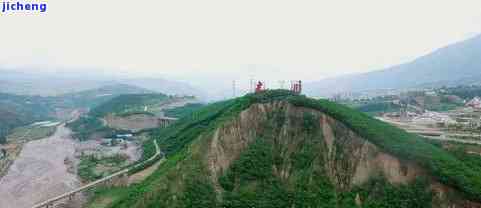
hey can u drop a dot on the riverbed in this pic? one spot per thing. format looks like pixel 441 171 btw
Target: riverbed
pixel 40 171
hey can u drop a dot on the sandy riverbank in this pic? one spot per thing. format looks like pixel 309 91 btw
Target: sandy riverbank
pixel 40 171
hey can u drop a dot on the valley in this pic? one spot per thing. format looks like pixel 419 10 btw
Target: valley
pixel 40 171
pixel 241 104
pixel 45 159
pixel 252 150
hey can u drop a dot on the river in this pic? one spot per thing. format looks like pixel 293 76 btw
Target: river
pixel 40 171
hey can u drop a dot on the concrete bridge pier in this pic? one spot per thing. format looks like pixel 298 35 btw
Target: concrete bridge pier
pixel 106 183
pixel 123 180
pixel 71 196
pixel 165 122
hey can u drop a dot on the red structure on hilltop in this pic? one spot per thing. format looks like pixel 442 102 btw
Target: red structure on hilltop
pixel 296 87
pixel 259 87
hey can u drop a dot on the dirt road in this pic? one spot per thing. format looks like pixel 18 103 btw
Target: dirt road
pixel 39 172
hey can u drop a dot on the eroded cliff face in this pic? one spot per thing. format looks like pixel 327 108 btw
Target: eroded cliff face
pixel 347 159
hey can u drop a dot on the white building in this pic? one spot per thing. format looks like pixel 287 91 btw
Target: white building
pixel 474 103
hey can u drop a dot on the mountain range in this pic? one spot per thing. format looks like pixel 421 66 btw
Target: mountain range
pixel 456 64
pixel 56 83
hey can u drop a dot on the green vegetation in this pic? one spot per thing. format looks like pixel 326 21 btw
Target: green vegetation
pixel 253 179
pixel 95 97
pixel 375 108
pixel 174 140
pixel 468 153
pixel 88 166
pixel 103 196
pixel 85 126
pixel 181 133
pixel 16 111
pixel 122 105
pixel 131 113
pixel 127 103
pixel 183 111
pixel 444 166
pixel 379 193
pixel 465 92
pixel 31 132
pixel 251 182
pixel 148 150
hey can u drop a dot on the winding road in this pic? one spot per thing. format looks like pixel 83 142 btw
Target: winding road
pixel 51 201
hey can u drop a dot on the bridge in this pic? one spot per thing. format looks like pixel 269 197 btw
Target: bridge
pixel 166 121
pixel 50 203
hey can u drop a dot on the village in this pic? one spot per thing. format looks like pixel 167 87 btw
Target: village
pixel 461 122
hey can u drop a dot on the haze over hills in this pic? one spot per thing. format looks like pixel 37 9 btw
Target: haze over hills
pixel 20 110
pixel 455 64
pixel 93 97
pixel 54 84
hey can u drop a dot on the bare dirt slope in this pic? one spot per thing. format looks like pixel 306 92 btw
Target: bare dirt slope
pixel 39 172
pixel 134 122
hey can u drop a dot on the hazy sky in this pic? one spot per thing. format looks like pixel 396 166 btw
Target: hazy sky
pixel 271 39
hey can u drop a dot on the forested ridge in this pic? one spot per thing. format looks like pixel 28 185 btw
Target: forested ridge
pixel 121 105
pixel 16 110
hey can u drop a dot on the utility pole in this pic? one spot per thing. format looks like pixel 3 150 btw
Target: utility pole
pixel 233 88
pixel 251 84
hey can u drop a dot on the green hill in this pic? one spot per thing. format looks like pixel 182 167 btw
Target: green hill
pixel 16 110
pixel 277 149
pixel 128 103
pixel 94 97
pixel 20 110
pixel 183 111
pixel 120 107
pixel 452 65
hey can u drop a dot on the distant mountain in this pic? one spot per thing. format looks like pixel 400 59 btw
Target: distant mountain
pixel 55 84
pixel 165 86
pixel 44 84
pixel 456 64
pixel 129 103
pixel 93 97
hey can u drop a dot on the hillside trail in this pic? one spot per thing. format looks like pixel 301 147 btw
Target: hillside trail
pixel 143 174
